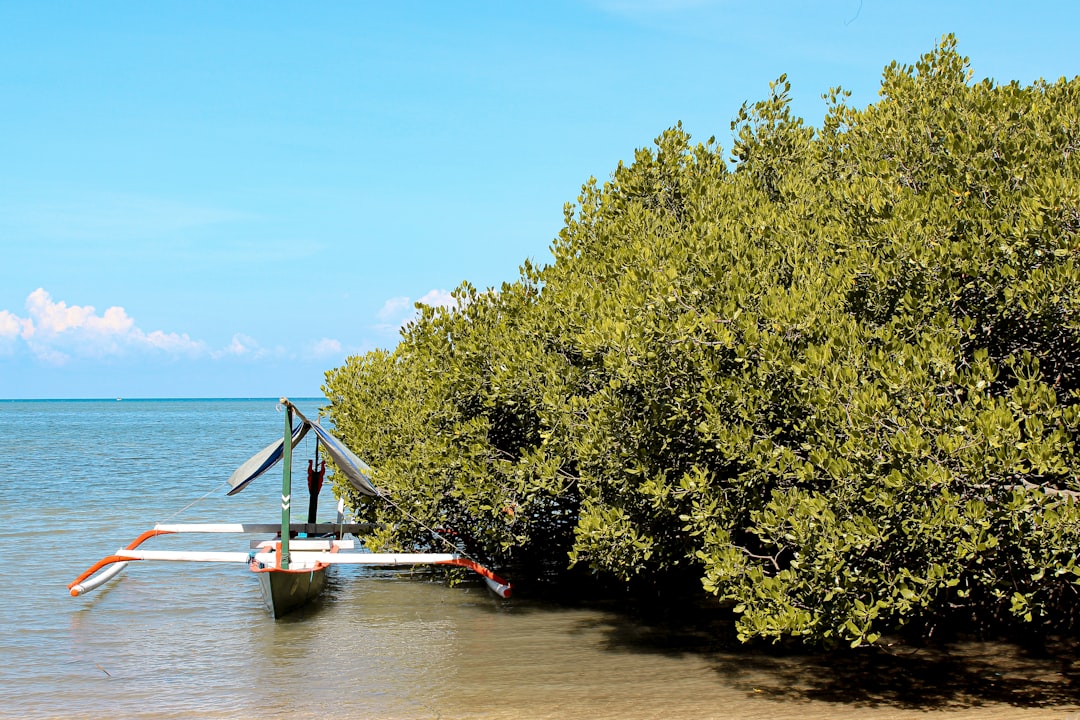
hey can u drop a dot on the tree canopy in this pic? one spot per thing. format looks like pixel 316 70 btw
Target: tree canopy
pixel 833 373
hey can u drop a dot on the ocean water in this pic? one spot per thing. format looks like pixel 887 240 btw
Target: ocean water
pixel 81 478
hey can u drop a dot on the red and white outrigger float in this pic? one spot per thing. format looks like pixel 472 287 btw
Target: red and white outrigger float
pixel 291 568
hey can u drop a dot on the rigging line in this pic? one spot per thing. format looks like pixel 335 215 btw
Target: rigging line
pixel 196 500
pixel 416 520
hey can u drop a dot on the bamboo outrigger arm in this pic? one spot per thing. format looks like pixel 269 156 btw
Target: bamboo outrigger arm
pixel 268 554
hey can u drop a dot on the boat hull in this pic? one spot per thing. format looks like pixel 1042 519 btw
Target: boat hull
pixel 284 591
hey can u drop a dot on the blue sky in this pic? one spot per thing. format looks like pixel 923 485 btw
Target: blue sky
pixel 227 199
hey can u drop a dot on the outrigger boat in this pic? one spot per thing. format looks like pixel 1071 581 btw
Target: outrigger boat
pixel 291 568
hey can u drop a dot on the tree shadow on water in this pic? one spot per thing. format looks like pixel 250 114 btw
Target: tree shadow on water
pixel 953 675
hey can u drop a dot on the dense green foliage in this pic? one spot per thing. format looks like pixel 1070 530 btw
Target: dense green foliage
pixel 835 375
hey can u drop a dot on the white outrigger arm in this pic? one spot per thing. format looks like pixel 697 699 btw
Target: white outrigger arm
pixel 304 553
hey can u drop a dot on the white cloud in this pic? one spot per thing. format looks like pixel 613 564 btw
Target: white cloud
pixel 438 298
pixel 50 356
pixel 241 346
pixel 399 311
pixel 10 325
pixel 394 307
pixel 10 329
pixel 51 319
pixel 173 342
pixel 326 347
pixel 55 332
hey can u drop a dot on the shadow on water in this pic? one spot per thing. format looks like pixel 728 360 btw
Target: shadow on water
pixel 945 676
pixel 942 674
pixel 956 676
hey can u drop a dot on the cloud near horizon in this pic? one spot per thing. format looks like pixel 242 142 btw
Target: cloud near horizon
pixel 56 333
pixel 241 346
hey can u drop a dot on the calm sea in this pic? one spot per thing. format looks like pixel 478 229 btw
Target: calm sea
pixel 81 478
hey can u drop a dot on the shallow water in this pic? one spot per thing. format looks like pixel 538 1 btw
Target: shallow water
pixel 193 641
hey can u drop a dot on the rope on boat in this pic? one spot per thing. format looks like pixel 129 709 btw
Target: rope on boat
pixel 434 533
pixel 195 501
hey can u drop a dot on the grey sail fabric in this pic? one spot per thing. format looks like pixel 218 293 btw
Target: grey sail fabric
pixel 265 459
pixel 355 469
pixel 348 464
pixel 352 467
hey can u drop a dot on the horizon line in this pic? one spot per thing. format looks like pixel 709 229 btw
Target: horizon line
pixel 155 399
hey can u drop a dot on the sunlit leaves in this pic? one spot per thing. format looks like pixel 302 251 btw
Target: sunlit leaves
pixel 835 370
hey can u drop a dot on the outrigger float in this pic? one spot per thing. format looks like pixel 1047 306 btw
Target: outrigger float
pixel 291 567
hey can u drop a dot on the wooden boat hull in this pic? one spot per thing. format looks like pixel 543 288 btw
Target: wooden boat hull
pixel 284 591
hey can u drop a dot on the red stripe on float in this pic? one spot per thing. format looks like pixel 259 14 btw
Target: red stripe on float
pixel 105 561
pixel 483 571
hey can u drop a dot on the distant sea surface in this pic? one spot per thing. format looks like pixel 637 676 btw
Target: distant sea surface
pixel 82 478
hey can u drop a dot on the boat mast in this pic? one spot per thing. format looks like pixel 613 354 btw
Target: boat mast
pixel 286 485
